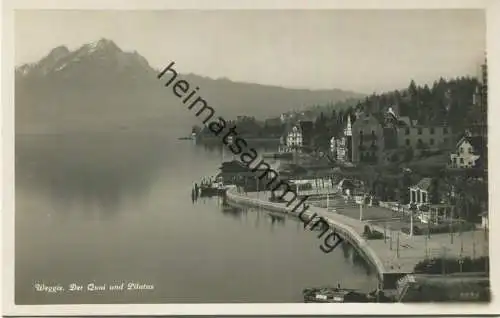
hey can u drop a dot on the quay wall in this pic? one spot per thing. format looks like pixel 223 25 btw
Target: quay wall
pixel 346 232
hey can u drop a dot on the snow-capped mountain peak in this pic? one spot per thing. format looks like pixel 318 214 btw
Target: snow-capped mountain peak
pixel 100 53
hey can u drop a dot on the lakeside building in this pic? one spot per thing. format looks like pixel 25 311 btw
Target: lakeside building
pixel 333 147
pixel 377 137
pixel 293 139
pixel 419 193
pixel 426 211
pixel 367 139
pixel 235 172
pixel 297 136
pixel 421 137
pixel 307 129
pixel 468 152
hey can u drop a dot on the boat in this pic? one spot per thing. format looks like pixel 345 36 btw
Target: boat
pixel 212 189
pixel 334 295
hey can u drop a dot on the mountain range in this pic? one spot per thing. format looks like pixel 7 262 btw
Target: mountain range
pixel 99 87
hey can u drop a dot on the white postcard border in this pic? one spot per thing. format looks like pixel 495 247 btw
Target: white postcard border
pixel 7 96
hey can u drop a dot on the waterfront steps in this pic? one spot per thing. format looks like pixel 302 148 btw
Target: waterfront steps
pixel 393 257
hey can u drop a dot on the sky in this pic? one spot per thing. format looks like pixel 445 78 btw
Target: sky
pixel 360 50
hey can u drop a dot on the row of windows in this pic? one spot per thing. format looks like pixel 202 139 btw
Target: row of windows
pixel 462 162
pixel 462 150
pixel 431 130
pixel 420 142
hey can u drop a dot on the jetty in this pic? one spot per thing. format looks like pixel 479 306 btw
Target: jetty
pixel 392 257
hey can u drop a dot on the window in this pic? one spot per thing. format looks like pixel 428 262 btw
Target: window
pixel 407 131
pixel 407 142
pixel 445 130
pixel 419 141
pixel 424 197
pixel 431 141
pixel 461 149
pixel 470 149
pixel 432 130
pixel 462 160
pixel 419 131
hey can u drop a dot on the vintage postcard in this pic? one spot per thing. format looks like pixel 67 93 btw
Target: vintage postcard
pixel 230 159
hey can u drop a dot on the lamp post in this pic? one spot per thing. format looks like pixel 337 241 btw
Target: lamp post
pixel 443 260
pixel 397 246
pixel 452 199
pixel 385 236
pixel 361 208
pixel 390 239
pixel 426 249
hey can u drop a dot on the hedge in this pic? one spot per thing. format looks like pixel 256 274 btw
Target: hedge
pixel 452 265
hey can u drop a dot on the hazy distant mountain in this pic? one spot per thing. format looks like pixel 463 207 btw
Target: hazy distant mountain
pixel 100 87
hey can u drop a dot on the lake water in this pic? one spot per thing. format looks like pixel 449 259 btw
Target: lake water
pixel 116 208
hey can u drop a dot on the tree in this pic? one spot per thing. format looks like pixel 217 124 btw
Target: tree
pixel 408 154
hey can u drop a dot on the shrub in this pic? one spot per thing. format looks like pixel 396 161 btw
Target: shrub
pixel 370 234
pixel 445 228
pixel 367 230
pixel 440 228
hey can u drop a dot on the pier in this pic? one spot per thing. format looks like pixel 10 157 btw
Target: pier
pixel 392 257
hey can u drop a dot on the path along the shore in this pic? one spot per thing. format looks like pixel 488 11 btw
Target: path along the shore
pixel 389 258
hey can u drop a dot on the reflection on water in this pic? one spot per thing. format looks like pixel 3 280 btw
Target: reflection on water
pixel 110 208
pixel 275 218
pixel 90 171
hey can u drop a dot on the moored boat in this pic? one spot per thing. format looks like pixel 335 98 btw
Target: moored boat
pixel 333 295
pixel 212 189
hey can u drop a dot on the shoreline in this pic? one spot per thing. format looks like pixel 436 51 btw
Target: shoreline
pixel 348 234
pixel 393 258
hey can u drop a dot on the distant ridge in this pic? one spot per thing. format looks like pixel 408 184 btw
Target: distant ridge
pixel 99 87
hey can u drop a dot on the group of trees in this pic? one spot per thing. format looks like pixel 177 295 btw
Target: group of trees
pixel 468 194
pixel 455 102
pixel 251 127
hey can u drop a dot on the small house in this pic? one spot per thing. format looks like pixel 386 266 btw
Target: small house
pixel 468 152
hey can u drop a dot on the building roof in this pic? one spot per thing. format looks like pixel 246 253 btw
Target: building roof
pixel 233 166
pixel 306 125
pixel 478 143
pixel 289 127
pixel 424 184
pixel 405 121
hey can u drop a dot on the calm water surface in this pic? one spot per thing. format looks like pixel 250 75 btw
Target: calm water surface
pixel 113 208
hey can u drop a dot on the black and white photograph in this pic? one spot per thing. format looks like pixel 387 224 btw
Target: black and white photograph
pixel 313 157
